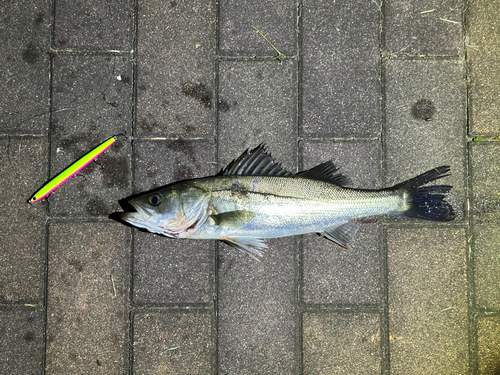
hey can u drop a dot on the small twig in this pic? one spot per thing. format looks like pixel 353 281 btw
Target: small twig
pixel 174 348
pixel 448 308
pixel 280 56
pixel 450 21
pixel 427 11
pixel 113 284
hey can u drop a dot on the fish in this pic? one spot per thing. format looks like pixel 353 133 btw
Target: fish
pixel 71 170
pixel 254 198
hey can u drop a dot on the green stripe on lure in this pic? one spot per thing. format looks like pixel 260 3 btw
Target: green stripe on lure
pixel 254 198
pixel 73 169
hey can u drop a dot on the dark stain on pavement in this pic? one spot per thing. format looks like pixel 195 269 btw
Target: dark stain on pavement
pixel 423 109
pixel 199 92
pixel 31 54
pixel 96 207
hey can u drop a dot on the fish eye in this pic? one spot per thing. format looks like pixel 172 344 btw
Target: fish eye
pixel 154 200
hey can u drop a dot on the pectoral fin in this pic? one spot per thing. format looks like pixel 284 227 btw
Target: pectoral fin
pixel 232 219
pixel 343 234
pixel 247 245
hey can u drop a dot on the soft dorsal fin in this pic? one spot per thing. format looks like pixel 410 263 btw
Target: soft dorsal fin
pixel 327 172
pixel 256 162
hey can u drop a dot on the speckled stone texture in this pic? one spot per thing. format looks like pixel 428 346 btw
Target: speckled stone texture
pixel 87 300
pixel 25 73
pixel 175 80
pixel 173 342
pixel 482 60
pixel 340 69
pixel 22 229
pixel 427 284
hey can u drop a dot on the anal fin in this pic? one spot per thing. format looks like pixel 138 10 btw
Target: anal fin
pixel 248 245
pixel 343 234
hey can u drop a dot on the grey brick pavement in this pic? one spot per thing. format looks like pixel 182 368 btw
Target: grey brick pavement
pixel 385 89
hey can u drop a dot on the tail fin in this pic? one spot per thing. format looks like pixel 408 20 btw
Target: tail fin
pixel 428 202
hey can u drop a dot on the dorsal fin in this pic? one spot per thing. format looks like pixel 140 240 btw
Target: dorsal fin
pixel 327 172
pixel 256 162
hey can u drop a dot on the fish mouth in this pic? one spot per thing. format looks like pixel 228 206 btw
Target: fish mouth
pixel 140 214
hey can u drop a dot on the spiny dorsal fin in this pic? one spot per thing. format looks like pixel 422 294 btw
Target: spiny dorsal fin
pixel 256 162
pixel 327 172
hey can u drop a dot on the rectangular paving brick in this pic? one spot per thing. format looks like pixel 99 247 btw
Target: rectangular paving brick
pixel 427 300
pixel 426 122
pixel 162 162
pixel 93 24
pixel 173 342
pixel 87 317
pixel 484 180
pixel 22 229
pixel 343 277
pixel 485 245
pixel 275 19
pixel 257 103
pixel 25 77
pixel 332 274
pixel 21 341
pixel 423 27
pixel 257 313
pixel 171 271
pixel 175 79
pixel 340 69
pixel 341 343
pixel 488 340
pixel 482 57
pixel 166 270
pixel 93 96
pixel 360 161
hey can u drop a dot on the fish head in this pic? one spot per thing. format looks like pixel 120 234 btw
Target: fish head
pixel 170 211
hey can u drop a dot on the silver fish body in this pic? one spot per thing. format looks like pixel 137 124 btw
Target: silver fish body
pixel 254 198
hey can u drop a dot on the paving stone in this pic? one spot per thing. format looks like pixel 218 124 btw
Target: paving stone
pixel 93 24
pixel 482 57
pixel 358 160
pixel 427 300
pixel 275 19
pixel 341 343
pixel 333 274
pixel 340 69
pixel 488 342
pixel 485 244
pixel 485 169
pixel 423 27
pixel 92 105
pixel 339 276
pixel 25 77
pixel 22 231
pixel 418 91
pixel 257 104
pixel 170 271
pixel 257 313
pixel 175 79
pixel 87 317
pixel 21 345
pixel 161 162
pixel 173 342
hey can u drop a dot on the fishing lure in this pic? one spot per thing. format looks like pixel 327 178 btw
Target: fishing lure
pixel 73 169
